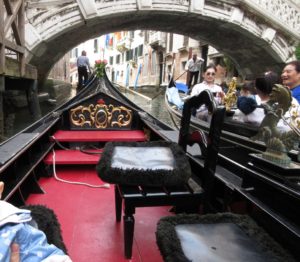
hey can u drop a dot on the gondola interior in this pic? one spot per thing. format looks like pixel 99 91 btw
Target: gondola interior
pixel 53 163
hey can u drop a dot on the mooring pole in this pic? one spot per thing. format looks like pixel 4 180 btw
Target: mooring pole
pixel 33 100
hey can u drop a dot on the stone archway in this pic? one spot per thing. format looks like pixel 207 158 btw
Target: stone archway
pixel 242 31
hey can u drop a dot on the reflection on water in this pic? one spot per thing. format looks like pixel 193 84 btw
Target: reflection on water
pixel 20 117
pixel 155 105
pixel 151 100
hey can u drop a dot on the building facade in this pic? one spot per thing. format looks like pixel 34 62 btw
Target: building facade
pixel 145 58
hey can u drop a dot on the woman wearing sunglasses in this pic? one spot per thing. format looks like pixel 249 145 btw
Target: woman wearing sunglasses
pixel 209 83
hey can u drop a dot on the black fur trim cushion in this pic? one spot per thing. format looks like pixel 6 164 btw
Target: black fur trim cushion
pixel 171 250
pixel 47 222
pixel 180 174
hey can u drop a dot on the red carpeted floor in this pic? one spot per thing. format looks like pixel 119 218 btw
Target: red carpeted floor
pixel 87 217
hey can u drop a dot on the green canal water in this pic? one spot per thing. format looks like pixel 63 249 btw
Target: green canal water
pixel 151 99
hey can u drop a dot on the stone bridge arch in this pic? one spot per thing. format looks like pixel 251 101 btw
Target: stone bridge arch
pixel 256 34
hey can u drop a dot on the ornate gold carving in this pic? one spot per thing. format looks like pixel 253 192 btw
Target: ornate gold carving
pixel 230 97
pixel 101 116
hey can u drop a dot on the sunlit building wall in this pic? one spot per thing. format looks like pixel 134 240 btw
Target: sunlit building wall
pixel 143 58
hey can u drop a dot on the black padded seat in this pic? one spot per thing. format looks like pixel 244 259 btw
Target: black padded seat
pixel 216 238
pixel 157 163
pixel 158 173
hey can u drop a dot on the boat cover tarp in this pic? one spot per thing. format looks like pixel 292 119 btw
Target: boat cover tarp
pixel 182 87
pixel 173 97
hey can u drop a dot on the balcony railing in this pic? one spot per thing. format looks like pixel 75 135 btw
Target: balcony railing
pixel 157 39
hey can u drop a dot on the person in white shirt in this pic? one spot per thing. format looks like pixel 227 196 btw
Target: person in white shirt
pixel 193 67
pixel 264 85
pixel 83 65
pixel 247 104
pixel 208 83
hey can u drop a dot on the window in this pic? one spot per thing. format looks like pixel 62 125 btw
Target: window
pixel 129 55
pixel 140 50
pixel 146 36
pixel 135 54
pixel 153 63
pixel 185 41
pixel 170 45
pixel 169 72
pixel 95 45
pixel 111 60
pixel 118 59
pixel 76 52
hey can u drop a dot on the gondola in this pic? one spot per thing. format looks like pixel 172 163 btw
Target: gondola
pixel 60 161
pixel 233 130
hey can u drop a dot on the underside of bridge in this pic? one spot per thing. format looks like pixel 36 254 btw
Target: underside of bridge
pixel 251 53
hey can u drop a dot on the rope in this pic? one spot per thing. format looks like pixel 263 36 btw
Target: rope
pixel 59 144
pixel 105 185
pixel 85 150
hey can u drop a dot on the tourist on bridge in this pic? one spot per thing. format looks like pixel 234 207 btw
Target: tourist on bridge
pixel 83 65
pixel 291 78
pixel 193 68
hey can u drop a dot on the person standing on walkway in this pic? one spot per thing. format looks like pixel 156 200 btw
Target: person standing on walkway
pixel 291 78
pixel 193 68
pixel 83 65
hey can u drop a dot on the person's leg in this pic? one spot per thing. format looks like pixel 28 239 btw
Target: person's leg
pixel 196 74
pixel 190 78
pixel 85 76
pixel 79 77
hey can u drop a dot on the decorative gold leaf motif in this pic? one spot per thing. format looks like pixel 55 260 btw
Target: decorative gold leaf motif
pixel 101 116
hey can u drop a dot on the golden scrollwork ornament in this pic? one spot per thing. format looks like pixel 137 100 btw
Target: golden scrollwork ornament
pixel 101 116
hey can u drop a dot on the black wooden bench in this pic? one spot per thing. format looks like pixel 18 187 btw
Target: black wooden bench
pixel 185 197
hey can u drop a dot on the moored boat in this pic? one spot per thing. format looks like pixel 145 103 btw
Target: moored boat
pixel 234 131
pixel 53 162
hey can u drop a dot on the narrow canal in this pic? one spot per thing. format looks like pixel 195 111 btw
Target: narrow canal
pixel 151 99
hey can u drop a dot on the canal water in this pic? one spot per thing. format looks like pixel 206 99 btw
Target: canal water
pixel 151 99
pixel 18 115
